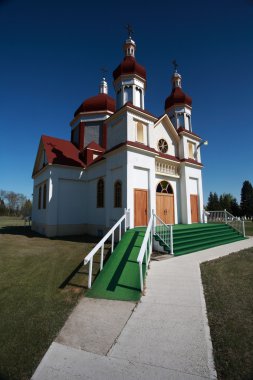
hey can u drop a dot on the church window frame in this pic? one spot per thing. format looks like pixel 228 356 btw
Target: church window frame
pixel 44 196
pixel 164 187
pixel 128 94
pixel 39 198
pixel 118 194
pixel 139 132
pixel 189 122
pixel 119 98
pixel 100 193
pixel 191 150
pixel 139 97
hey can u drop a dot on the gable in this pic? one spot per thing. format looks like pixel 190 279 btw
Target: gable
pixel 41 159
pixel 164 130
pixel 56 151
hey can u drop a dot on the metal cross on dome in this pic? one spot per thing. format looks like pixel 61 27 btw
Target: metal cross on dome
pixel 104 71
pixel 130 30
pixel 175 65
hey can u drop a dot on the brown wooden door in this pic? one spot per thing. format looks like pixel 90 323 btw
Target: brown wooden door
pixel 195 208
pixel 165 207
pixel 140 207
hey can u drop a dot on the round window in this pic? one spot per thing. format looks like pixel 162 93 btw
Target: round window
pixel 163 146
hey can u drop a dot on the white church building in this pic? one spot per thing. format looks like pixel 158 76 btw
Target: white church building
pixel 120 156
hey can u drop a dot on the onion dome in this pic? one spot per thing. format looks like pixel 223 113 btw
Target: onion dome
pixel 177 95
pixel 100 102
pixel 129 65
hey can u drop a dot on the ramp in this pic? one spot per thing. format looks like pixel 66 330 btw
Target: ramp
pixel 120 277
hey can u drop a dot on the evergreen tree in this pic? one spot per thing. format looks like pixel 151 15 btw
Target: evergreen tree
pixel 26 209
pixel 235 208
pixel 213 203
pixel 226 201
pixel 3 210
pixel 247 199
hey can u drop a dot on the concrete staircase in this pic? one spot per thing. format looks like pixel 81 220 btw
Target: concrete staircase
pixel 197 237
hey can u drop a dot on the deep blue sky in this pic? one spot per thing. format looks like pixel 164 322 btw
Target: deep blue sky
pixel 51 55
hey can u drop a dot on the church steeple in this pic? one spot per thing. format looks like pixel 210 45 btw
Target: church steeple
pixel 178 104
pixel 129 77
pixel 129 46
pixel 103 87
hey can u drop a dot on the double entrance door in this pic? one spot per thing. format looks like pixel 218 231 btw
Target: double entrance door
pixel 165 207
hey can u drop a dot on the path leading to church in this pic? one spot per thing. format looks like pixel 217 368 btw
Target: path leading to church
pixel 166 336
pixel 120 277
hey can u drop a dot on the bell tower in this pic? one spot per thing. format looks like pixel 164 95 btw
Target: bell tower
pixel 129 77
pixel 178 104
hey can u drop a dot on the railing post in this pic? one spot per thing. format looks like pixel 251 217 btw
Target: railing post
pixel 171 240
pixel 226 218
pixel 141 277
pixel 90 273
pixel 150 243
pixel 153 222
pixel 102 257
pixel 125 220
pixel 112 242
pixel 120 232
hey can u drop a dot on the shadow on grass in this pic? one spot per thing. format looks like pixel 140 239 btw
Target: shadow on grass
pixel 83 270
pixel 117 274
pixel 4 377
pixel 19 230
pixel 27 231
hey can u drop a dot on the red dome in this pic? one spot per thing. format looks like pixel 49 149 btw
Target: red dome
pixel 129 66
pixel 100 102
pixel 177 96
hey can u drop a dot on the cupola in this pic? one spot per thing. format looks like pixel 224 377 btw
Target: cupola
pixel 178 104
pixel 100 102
pixel 129 78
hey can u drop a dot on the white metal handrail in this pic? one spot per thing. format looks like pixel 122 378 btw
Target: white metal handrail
pixel 225 217
pixel 89 258
pixel 164 232
pixel 145 250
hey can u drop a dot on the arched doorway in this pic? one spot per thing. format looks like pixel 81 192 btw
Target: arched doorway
pixel 165 202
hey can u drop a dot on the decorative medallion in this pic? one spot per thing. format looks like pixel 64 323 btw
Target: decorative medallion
pixel 163 146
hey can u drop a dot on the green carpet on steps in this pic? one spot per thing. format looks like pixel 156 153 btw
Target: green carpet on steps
pixel 120 278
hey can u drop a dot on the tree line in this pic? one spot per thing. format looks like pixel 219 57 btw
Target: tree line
pixel 228 201
pixel 14 204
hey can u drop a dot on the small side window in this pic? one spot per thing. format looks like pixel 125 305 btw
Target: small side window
pixel 191 150
pixel 39 198
pixel 45 196
pixel 117 194
pixel 139 132
pixel 100 193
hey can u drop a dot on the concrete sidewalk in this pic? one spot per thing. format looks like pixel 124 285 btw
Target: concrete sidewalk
pixel 166 336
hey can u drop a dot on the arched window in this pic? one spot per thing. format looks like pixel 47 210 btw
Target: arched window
pixel 164 187
pixel 39 198
pixel 118 100
pixel 45 196
pixel 128 94
pixel 100 193
pixel 139 132
pixel 117 194
pixel 138 97
pixel 191 150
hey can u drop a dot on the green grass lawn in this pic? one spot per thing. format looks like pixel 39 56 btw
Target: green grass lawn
pixel 36 295
pixel 10 221
pixel 249 228
pixel 228 288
